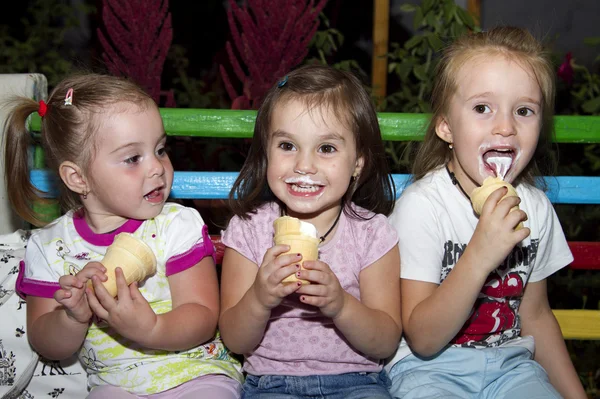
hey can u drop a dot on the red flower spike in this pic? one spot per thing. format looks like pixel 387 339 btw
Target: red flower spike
pixel 271 37
pixel 136 36
pixel 565 70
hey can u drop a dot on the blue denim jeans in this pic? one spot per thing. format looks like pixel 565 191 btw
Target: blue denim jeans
pixel 338 386
pixel 467 373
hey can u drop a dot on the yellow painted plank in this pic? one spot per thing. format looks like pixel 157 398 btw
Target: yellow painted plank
pixel 579 324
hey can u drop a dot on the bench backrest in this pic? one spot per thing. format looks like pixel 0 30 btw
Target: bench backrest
pixel 576 324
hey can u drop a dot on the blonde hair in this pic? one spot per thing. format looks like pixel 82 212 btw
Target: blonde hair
pixel 516 43
pixel 67 134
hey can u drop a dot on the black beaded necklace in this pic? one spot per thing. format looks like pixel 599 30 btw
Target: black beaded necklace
pixel 324 236
pixel 456 182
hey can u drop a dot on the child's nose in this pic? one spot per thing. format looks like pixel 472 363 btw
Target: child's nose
pixel 157 168
pixel 305 163
pixel 505 124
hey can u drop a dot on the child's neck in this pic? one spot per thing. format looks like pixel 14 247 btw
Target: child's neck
pixel 325 222
pixel 102 224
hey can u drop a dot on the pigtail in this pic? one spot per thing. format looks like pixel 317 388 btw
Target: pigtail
pixel 21 192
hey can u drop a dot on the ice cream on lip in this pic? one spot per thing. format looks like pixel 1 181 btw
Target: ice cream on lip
pixel 307 180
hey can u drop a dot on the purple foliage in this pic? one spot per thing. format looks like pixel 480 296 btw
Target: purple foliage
pixel 271 37
pixel 136 37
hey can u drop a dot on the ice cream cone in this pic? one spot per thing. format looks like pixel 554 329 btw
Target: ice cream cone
pixel 300 236
pixel 133 256
pixel 491 184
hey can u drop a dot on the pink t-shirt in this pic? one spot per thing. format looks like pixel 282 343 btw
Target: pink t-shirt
pixel 298 339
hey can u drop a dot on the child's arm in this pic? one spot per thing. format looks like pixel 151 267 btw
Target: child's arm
pixel 551 352
pixel 248 293
pixel 371 325
pixel 57 327
pixel 433 314
pixel 51 332
pixel 192 320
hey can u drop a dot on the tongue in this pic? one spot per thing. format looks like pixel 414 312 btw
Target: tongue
pixel 500 163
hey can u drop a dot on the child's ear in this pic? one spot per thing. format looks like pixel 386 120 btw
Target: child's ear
pixel 360 163
pixel 73 177
pixel 443 131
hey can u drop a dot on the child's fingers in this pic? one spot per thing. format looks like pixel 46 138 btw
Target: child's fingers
pixel 522 234
pixel 284 272
pixel 135 293
pixel 122 286
pixel 101 294
pixel 61 295
pixel 492 201
pixel 94 304
pixel 67 282
pixel 86 273
pixel 274 252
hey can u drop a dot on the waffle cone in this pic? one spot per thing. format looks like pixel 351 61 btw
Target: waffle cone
pixel 491 184
pixel 133 256
pixel 287 231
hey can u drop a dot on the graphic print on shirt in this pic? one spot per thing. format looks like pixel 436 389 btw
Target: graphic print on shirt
pixel 494 318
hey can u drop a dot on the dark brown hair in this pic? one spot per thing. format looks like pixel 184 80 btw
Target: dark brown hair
pixel 515 43
pixel 345 95
pixel 67 134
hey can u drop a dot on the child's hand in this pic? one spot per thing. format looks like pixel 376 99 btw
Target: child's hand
pixel 324 290
pixel 71 294
pixel 129 314
pixel 495 234
pixel 268 286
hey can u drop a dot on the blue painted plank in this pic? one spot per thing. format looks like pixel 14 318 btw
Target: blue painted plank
pixel 216 185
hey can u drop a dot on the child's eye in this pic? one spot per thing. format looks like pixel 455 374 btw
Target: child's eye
pixel 161 152
pixel 286 146
pixel 524 111
pixel 133 159
pixel 481 109
pixel 327 149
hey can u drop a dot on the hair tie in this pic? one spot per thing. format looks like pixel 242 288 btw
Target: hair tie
pixel 282 82
pixel 43 108
pixel 69 97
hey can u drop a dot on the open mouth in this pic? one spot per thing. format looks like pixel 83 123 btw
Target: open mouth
pixel 304 185
pixel 154 195
pixel 499 160
pixel 304 188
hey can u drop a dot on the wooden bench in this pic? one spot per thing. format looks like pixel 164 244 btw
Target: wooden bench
pixel 575 324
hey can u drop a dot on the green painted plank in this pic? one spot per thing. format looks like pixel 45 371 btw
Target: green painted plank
pixel 225 123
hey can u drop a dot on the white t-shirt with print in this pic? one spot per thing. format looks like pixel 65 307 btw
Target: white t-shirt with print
pixel 435 222
pixel 179 239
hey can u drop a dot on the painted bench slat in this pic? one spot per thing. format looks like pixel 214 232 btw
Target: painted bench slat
pixel 227 123
pixel 579 324
pixel 216 185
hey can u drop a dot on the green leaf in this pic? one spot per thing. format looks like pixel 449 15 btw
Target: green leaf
pixel 413 41
pixel 592 106
pixel 435 42
pixel 418 19
pixel 465 17
pixel 420 72
pixel 407 7
pixel 426 5
pixel 432 20
pixel 592 41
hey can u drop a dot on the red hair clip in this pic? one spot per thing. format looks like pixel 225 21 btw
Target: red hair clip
pixel 43 108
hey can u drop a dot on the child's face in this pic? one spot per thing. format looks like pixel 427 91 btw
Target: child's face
pixel 311 158
pixel 131 174
pixel 493 121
